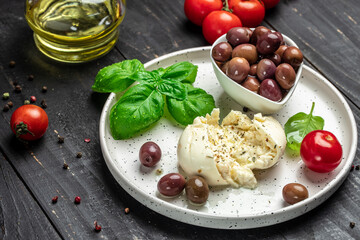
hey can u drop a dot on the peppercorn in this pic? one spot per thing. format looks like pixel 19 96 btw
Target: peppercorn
pixel 54 199
pixel 357 167
pixel 352 224
pixel 31 77
pixel 43 103
pixel 79 155
pixel 352 168
pixel 97 227
pixel 44 89
pixel 245 109
pixel 18 88
pixel 6 96
pixel 127 210
pixel 65 166
pixel 6 108
pixel 10 104
pixel 32 99
pixel 26 102
pixel 77 200
pixel 61 139
pixel 12 64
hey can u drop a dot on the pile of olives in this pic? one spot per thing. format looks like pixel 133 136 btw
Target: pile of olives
pixel 259 60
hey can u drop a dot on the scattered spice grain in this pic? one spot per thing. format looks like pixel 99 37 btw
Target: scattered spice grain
pixel 245 109
pixel 43 103
pixel 31 77
pixel 32 99
pixel 44 89
pixel 79 154
pixel 357 167
pixel 127 210
pixel 352 168
pixel 61 139
pixel 6 108
pixel 97 227
pixel 352 224
pixel 87 140
pixel 12 63
pixel 65 166
pixel 54 199
pixel 159 171
pixel 77 200
pixel 18 88
pixel 6 95
pixel 26 102
pixel 10 104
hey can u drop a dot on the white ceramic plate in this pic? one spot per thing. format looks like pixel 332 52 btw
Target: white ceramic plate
pixel 230 208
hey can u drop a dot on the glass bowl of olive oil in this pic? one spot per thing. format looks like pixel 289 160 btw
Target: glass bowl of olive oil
pixel 75 31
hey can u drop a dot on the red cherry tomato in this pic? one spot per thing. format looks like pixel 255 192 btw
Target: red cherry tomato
pixel 197 10
pixel 321 151
pixel 250 12
pixel 29 122
pixel 270 3
pixel 218 23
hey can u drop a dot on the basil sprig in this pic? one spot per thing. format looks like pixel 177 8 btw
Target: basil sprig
pixel 299 125
pixel 143 104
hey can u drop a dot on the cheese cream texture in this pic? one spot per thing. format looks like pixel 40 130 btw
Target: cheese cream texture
pixel 226 154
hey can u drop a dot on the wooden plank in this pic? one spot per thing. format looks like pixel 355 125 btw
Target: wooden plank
pixel 20 216
pixel 328 33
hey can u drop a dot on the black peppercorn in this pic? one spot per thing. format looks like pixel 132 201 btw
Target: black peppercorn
pixel 61 139
pixel 352 224
pixel 65 166
pixel 6 108
pixel 79 155
pixel 43 104
pixel 31 77
pixel 12 64
pixel 44 89
pixel 10 104
pixel 245 109
pixel 18 89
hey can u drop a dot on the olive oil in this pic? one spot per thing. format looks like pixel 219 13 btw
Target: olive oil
pixel 75 30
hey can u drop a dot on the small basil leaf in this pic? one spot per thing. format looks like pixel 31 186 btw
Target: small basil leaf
pixel 183 72
pixel 299 125
pixel 197 103
pixel 140 107
pixel 172 89
pixel 117 77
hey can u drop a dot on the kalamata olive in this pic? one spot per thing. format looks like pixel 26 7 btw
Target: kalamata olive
pixel 252 71
pixel 293 56
pixel 274 57
pixel 281 50
pixel 294 192
pixel 197 190
pixel 250 32
pixel 268 43
pixel 270 90
pixel 224 67
pixel 247 51
pixel 252 84
pixel 285 75
pixel 258 31
pixel 171 184
pixel 281 37
pixel 265 69
pixel 237 35
pixel 149 154
pixel 238 69
pixel 222 51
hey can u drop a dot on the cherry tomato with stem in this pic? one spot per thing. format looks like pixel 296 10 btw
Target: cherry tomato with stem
pixel 250 12
pixel 270 3
pixel 321 151
pixel 29 122
pixel 218 23
pixel 197 10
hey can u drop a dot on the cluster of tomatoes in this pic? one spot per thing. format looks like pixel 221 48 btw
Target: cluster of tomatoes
pixel 217 17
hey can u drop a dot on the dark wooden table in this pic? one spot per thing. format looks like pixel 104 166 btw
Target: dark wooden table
pixel 328 33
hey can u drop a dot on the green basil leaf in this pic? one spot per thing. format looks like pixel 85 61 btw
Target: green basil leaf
pixel 182 72
pixel 117 77
pixel 299 125
pixel 140 107
pixel 197 103
pixel 172 89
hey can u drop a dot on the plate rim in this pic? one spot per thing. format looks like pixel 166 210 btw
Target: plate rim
pixel 319 196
